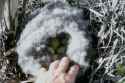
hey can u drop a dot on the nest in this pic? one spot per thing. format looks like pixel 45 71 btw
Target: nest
pixel 56 31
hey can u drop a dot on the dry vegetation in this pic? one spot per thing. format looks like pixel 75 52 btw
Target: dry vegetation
pixel 107 22
pixel 110 14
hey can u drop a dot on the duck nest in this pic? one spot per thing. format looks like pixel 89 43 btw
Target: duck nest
pixel 58 30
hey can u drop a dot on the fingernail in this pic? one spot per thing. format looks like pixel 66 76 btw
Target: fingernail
pixel 65 58
pixel 76 67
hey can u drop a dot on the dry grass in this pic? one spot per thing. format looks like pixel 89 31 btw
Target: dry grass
pixel 111 45
pixel 107 18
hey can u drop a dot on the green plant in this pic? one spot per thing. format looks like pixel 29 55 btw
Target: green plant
pixel 120 69
pixel 58 44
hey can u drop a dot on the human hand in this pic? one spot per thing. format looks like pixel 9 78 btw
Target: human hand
pixel 59 68
pixel 57 72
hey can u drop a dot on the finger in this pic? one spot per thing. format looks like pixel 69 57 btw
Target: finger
pixel 71 75
pixel 41 71
pixel 63 66
pixel 54 65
